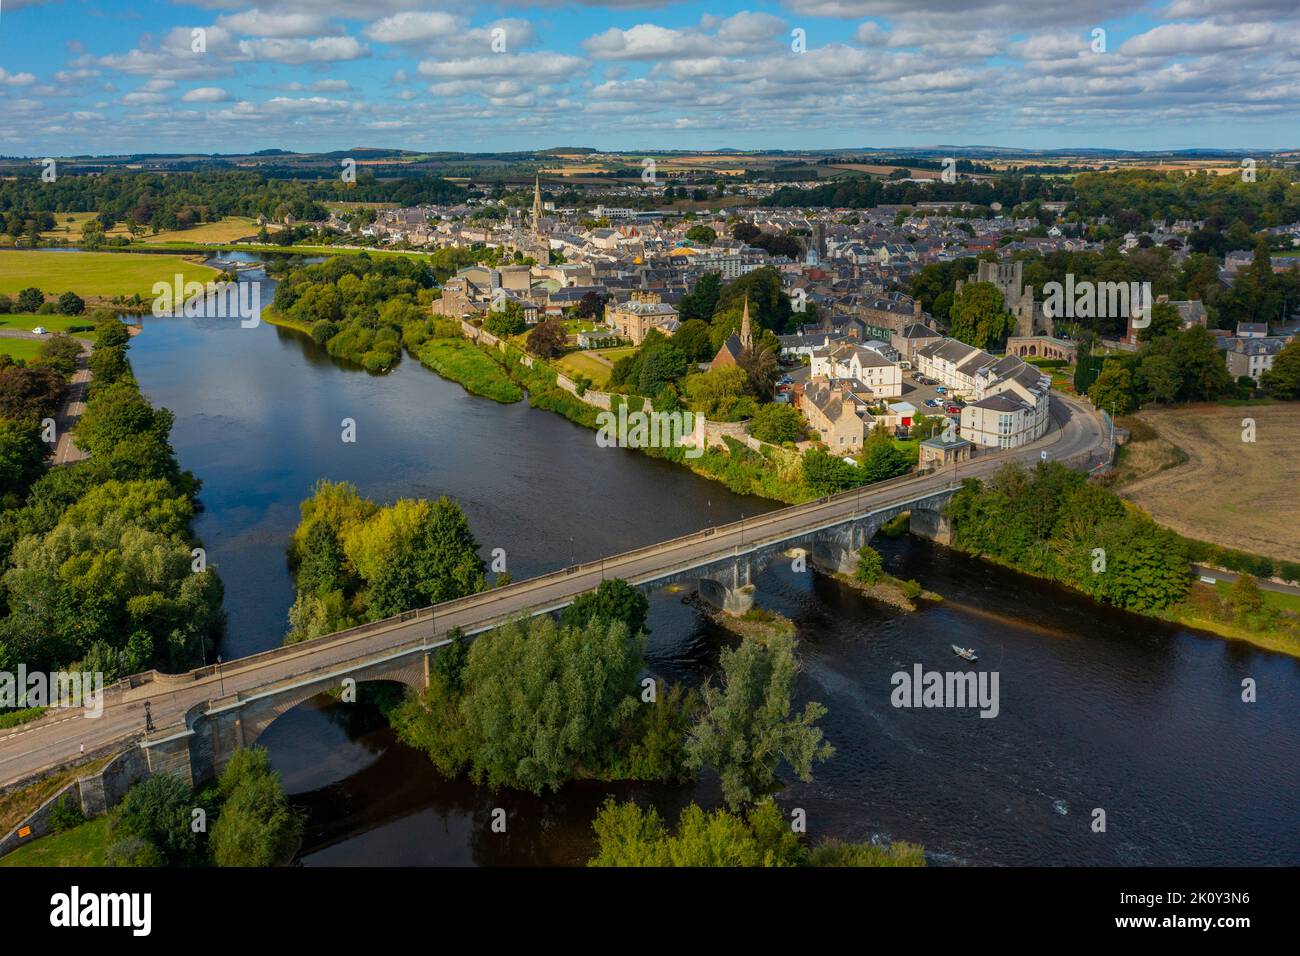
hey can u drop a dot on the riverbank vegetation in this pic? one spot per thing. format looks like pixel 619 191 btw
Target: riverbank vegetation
pixel 356 561
pixel 870 578
pixel 465 363
pixel 100 567
pixel 357 307
pixel 630 836
pixel 1053 523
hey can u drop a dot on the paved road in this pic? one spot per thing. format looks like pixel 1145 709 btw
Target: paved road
pixel 55 738
pixel 1265 585
pixel 74 403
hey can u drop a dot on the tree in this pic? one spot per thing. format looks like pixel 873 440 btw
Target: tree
pixel 979 316
pixel 702 301
pixel 716 393
pixel 60 352
pixel 1113 391
pixel 701 235
pixel 591 304
pixel 614 601
pixel 541 700
pixel 882 460
pixel 156 812
pixel 548 338
pixel 30 299
pixel 1283 379
pixel 71 304
pixel 870 567
pixel 777 422
pixel 747 728
pixel 506 321
pixel 257 825
pixel 630 836
pixel 826 474
pixel 1244 596
pixel 110 333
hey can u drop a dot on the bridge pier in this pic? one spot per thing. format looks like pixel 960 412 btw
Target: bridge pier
pixel 733 593
pixel 934 525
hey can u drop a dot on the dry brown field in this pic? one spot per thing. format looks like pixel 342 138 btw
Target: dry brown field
pixel 1235 493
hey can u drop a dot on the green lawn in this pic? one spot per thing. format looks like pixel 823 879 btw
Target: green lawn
pixel 79 325
pixel 1276 599
pixel 581 363
pixel 466 363
pixel 86 845
pixel 94 273
pixel 26 349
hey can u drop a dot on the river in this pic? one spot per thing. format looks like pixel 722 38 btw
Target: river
pixel 1098 709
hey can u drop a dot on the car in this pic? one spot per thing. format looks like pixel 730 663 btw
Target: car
pixel 933 403
pixel 39 330
pixel 953 409
pixel 941 390
pixel 786 380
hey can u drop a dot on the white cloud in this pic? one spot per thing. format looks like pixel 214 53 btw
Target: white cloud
pixel 206 94
pixel 415 27
pixel 259 24
pixel 296 52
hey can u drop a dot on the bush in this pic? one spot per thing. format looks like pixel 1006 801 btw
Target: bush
pixel 912 589
pixel 66 814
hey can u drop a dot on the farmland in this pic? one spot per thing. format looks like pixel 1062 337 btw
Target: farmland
pixel 1230 491
pixel 101 274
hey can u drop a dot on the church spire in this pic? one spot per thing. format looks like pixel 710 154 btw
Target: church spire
pixel 746 335
pixel 537 205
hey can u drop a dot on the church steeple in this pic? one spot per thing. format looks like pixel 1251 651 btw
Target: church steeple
pixel 537 205
pixel 746 335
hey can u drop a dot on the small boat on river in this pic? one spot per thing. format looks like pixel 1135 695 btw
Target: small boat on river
pixel 965 653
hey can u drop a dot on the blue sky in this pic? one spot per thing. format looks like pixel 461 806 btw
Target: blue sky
pixel 113 76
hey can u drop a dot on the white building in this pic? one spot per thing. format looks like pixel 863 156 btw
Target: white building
pixel 864 365
pixel 1010 399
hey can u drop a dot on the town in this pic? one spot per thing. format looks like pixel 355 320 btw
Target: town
pixel 830 435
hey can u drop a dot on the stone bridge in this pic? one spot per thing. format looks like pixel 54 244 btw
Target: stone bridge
pixel 198 719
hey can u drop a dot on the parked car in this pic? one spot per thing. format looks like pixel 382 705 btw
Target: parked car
pixel 953 409
pixel 39 330
pixel 941 389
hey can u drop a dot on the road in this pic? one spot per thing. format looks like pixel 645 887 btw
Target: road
pixel 56 737
pixel 74 403
pixel 1264 583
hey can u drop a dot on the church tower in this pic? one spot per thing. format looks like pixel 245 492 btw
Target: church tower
pixel 746 334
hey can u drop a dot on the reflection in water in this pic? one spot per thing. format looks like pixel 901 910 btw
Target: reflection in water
pixel 1098 708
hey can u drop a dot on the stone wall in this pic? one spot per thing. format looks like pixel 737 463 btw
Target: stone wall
pixel 96 793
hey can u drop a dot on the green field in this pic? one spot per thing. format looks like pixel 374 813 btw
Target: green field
pixel 86 845
pixel 26 349
pixel 79 325
pixel 1275 599
pixel 104 274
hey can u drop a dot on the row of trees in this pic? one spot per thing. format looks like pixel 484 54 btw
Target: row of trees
pixel 1052 522
pixel 100 567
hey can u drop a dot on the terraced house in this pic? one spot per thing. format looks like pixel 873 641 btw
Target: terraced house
pixel 839 411
pixel 1008 399
pixel 861 364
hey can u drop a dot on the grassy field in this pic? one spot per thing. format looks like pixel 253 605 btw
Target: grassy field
pixel 1228 491
pixel 79 325
pixel 26 349
pixel 102 274
pixel 86 845
pixel 466 363
pixel 227 230
pixel 581 363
